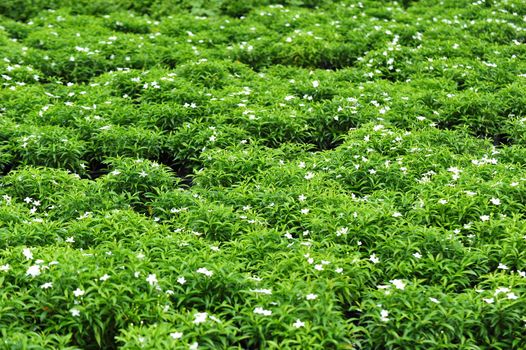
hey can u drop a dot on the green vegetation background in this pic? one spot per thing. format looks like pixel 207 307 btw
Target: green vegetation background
pixel 262 174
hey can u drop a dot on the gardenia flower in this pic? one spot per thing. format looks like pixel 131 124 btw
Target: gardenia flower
pixel 33 271
pixel 342 231
pixel 262 291
pixel 495 201
pixel 261 311
pixel 74 312
pixel 512 296
pixel 151 279
pixel 205 271
pixel 383 315
pixel 27 253
pixel 399 284
pixel 299 324
pixel 374 259
pixel 47 285
pixel 309 175
pixel 200 317
pixel 176 335
pixel 501 290
pixel 502 266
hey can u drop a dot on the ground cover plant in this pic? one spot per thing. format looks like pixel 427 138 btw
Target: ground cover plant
pixel 296 174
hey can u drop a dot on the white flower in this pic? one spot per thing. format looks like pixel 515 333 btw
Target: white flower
pixel 262 291
pixel 342 231
pixel 205 271
pixel 288 98
pixel 70 240
pixel 311 296
pixel 501 290
pixel 512 296
pixel 194 346
pixel 33 271
pixel 74 312
pixel 298 324
pixel 78 292
pixel 399 284
pixel 502 266
pixel 383 315
pixel 443 201
pixel 434 300
pixel 181 280
pixel 309 175
pixel 261 311
pixel 5 268
pixel 374 259
pixel 152 279
pixel 305 211
pixel 46 285
pixel 397 214
pixel 215 319
pixel 200 317
pixel 176 335
pixel 301 197
pixel 484 217
pixel 338 270
pixel 27 253
pixel 315 84
pixel 105 277
pixel 417 255
pixel 489 300
pixel 495 201
pixel 318 267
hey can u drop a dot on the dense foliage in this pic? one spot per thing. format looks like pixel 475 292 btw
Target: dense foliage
pixel 241 174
